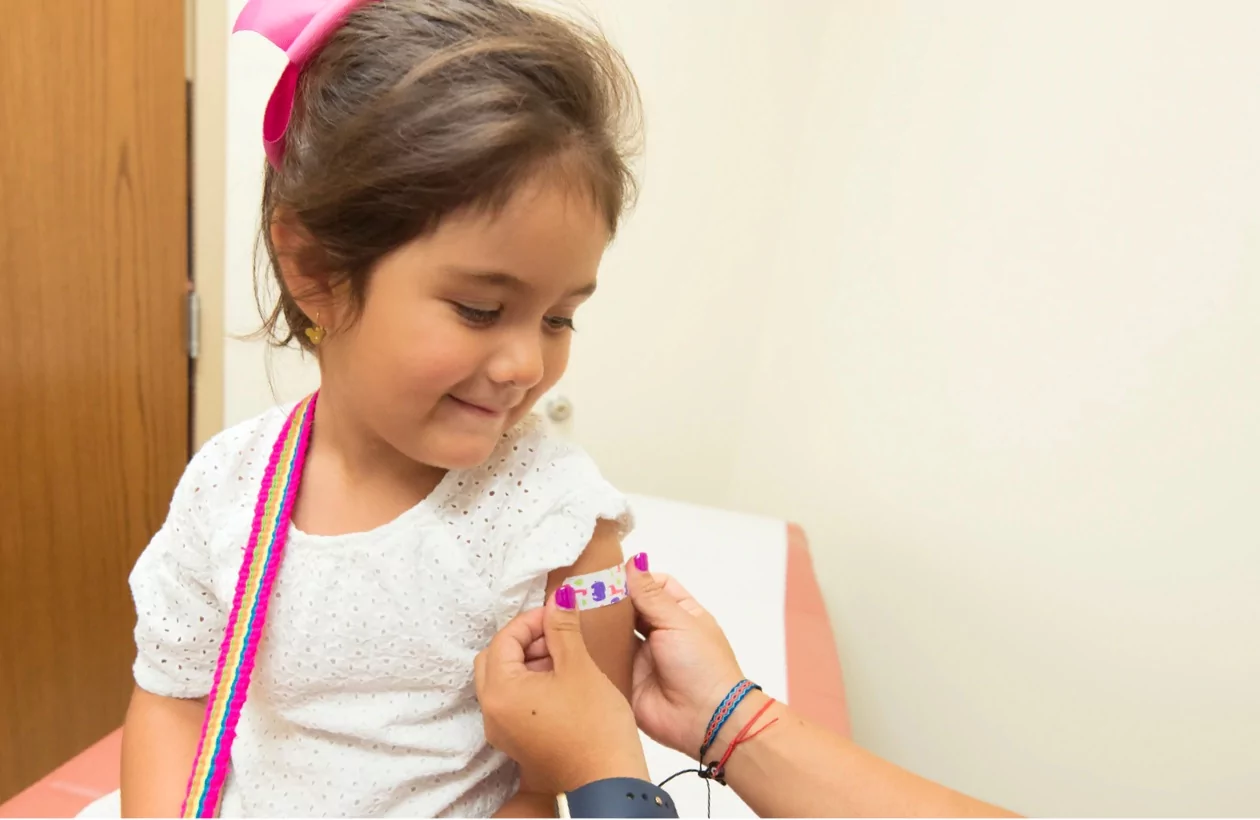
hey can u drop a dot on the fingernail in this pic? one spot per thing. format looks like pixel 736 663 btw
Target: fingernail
pixel 641 562
pixel 566 598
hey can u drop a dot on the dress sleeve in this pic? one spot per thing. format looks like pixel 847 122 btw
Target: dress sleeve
pixel 568 496
pixel 179 619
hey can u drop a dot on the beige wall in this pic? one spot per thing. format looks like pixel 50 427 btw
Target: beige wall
pixel 970 291
pixel 256 377
pixel 1011 388
pixel 207 55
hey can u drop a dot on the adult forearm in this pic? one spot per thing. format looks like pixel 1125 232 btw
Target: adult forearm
pixel 798 769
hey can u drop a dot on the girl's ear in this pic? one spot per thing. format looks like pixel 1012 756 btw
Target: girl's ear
pixel 312 291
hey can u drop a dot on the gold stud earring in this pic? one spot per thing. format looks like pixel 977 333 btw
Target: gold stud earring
pixel 316 332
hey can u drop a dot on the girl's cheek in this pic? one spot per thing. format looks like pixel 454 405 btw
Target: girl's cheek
pixel 438 365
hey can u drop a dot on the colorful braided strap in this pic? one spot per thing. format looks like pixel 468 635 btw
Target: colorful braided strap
pixel 276 497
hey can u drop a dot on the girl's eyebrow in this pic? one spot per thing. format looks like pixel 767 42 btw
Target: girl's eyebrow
pixel 507 281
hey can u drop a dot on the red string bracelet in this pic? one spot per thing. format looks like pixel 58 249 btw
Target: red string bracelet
pixel 718 772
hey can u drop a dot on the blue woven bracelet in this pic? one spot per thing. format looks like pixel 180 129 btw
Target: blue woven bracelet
pixel 724 711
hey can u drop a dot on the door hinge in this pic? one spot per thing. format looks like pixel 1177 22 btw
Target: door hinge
pixel 194 323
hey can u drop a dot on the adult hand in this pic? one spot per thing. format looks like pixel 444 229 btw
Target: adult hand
pixel 549 707
pixel 684 667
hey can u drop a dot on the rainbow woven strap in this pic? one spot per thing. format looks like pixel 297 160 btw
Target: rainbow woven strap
pixel 249 612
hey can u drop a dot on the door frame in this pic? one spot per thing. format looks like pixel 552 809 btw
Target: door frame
pixel 207 64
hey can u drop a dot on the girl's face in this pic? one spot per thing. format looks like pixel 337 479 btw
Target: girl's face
pixel 462 330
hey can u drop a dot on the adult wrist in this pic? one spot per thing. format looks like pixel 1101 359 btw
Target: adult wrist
pixel 750 706
pixel 702 716
pixel 722 716
pixel 609 764
pixel 741 736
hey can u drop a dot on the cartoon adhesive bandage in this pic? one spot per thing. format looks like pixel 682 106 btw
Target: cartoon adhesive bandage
pixel 596 589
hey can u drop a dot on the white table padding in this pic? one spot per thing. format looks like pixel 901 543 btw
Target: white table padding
pixel 108 806
pixel 736 567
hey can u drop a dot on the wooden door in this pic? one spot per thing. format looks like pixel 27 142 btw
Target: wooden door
pixel 93 359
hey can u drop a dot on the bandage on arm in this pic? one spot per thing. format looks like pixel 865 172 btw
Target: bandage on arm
pixel 599 589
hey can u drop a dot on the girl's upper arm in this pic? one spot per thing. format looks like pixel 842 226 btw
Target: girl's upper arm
pixel 607 631
pixel 609 636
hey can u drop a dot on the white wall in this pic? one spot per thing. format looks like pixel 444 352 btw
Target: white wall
pixel 1012 390
pixel 255 377
pixel 969 291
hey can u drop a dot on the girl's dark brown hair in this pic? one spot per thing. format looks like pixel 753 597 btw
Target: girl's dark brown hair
pixel 417 109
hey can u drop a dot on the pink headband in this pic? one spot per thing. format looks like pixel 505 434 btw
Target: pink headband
pixel 298 28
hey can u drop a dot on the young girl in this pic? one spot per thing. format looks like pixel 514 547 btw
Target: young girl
pixel 443 178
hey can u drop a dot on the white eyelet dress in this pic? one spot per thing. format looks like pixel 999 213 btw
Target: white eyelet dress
pixel 362 700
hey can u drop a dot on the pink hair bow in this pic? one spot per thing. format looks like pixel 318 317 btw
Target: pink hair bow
pixel 298 28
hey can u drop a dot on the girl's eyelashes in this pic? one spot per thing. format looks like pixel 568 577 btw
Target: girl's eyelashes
pixel 560 323
pixel 482 317
pixel 477 316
